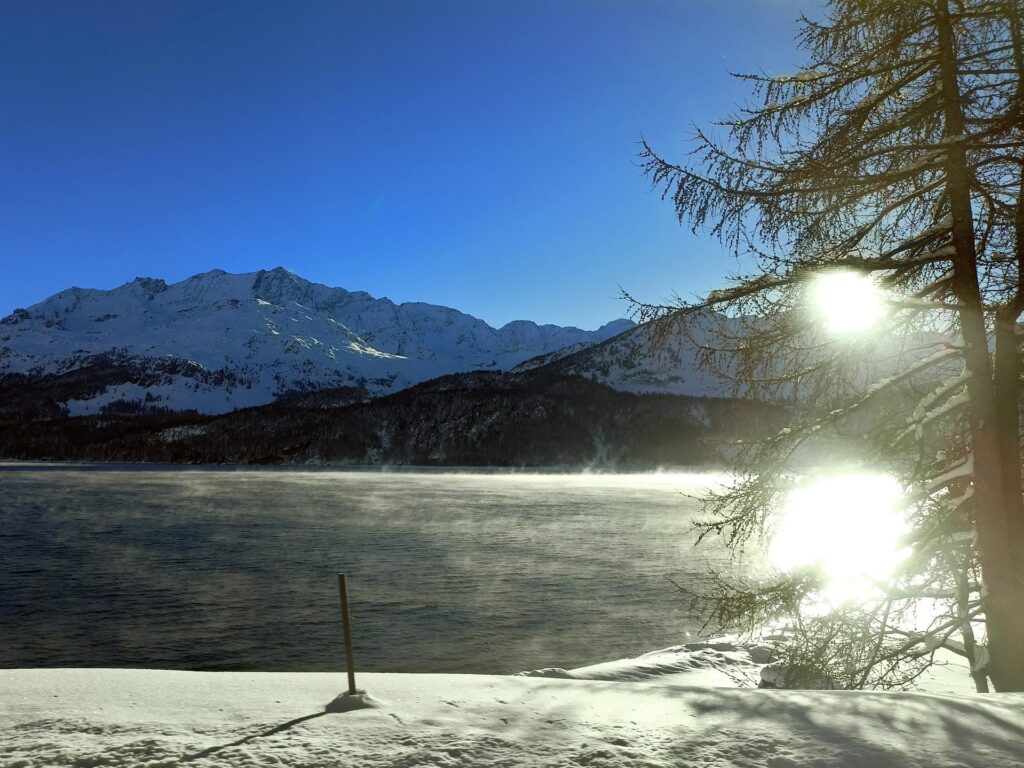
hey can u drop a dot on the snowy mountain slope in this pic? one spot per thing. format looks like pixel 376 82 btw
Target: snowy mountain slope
pixel 217 341
pixel 633 362
pixel 640 361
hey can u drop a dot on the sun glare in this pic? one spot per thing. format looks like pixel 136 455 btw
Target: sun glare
pixel 846 526
pixel 848 301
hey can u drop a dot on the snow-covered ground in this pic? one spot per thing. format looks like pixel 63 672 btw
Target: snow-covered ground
pixel 677 707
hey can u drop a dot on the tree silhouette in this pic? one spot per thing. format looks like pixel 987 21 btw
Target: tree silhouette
pixel 894 156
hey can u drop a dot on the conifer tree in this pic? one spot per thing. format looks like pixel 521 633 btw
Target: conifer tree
pixel 894 160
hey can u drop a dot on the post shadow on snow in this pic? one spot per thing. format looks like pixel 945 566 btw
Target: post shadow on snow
pixel 344 702
pixel 239 742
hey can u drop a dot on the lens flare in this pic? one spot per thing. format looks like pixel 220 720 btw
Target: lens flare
pixel 848 301
pixel 849 528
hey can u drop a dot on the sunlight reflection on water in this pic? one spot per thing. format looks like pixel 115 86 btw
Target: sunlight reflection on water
pixel 222 569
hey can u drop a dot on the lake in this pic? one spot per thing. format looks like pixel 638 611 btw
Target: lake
pixel 228 569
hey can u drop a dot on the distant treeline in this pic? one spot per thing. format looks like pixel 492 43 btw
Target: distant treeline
pixel 478 419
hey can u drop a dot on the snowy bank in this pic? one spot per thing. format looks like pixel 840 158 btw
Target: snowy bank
pixel 718 663
pixel 117 717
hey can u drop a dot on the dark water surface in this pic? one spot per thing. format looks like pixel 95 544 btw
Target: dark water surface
pixel 235 569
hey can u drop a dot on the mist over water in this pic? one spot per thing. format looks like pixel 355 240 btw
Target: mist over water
pixel 223 569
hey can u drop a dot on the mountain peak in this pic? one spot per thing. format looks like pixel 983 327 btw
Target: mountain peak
pixel 149 286
pixel 278 285
pixel 618 326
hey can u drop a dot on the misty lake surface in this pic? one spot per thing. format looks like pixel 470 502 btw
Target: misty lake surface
pixel 236 569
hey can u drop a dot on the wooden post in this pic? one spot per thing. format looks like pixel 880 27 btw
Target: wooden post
pixel 346 621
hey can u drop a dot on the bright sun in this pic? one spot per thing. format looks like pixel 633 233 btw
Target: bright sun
pixel 848 301
pixel 846 526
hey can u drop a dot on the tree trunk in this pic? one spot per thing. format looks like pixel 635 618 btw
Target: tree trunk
pixel 994 510
pixel 961 573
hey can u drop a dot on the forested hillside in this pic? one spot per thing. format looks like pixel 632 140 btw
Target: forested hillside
pixel 477 419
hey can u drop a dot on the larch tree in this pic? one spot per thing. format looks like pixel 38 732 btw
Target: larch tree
pixel 889 167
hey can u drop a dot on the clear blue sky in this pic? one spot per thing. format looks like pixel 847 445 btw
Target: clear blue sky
pixel 478 154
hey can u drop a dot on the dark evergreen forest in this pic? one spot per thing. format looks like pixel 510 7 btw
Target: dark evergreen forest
pixel 479 419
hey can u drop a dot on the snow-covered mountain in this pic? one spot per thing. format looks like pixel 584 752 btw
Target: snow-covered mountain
pixel 642 360
pixel 634 361
pixel 218 341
